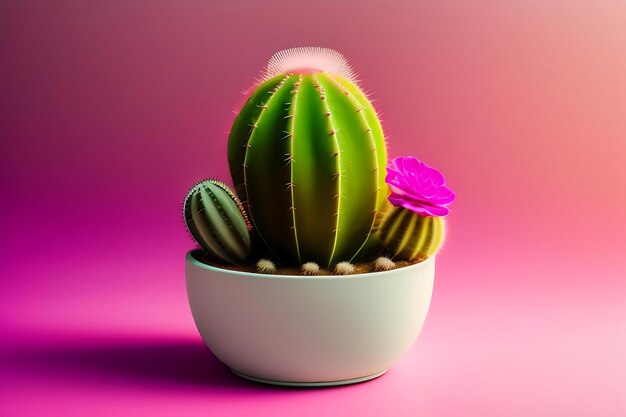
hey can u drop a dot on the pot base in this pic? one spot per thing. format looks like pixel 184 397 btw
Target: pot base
pixel 308 384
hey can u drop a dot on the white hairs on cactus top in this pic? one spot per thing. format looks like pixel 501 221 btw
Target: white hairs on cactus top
pixel 308 59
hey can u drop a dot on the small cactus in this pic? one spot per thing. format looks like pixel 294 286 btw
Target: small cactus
pixel 265 266
pixel 216 220
pixel 410 236
pixel 384 264
pixel 344 268
pixel 412 226
pixel 310 268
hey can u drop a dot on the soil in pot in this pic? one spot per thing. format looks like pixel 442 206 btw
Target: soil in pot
pixel 359 267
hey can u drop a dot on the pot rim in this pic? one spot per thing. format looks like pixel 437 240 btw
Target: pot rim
pixel 193 261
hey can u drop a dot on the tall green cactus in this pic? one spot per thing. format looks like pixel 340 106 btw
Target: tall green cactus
pixel 216 220
pixel 307 155
pixel 408 235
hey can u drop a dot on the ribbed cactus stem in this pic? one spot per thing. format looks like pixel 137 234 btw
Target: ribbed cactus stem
pixel 367 124
pixel 410 236
pixel 307 154
pixel 291 161
pixel 216 220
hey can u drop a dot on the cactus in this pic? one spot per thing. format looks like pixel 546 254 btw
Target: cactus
pixel 216 220
pixel 410 236
pixel 307 156
pixel 265 266
pixel 384 264
pixel 310 268
pixel 344 268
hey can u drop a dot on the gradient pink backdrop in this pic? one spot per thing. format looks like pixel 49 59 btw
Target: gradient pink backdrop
pixel 111 109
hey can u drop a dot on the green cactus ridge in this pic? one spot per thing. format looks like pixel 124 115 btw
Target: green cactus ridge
pixel 217 221
pixel 408 235
pixel 307 155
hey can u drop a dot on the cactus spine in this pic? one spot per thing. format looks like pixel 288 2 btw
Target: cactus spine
pixel 307 155
pixel 216 220
pixel 410 236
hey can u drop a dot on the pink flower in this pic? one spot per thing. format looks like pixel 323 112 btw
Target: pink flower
pixel 418 187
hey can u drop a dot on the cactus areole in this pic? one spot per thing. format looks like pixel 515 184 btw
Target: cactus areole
pixel 307 157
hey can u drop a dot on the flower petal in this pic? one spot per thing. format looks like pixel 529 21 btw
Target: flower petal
pixel 418 187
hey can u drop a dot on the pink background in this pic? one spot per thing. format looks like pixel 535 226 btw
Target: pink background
pixel 111 109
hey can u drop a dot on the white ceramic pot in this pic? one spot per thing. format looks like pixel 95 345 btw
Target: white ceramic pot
pixel 311 331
